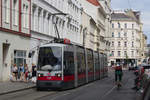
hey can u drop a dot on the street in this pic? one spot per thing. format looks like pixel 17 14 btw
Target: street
pixel 104 89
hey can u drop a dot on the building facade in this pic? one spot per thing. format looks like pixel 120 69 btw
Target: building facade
pixel 52 17
pixel 106 4
pixel 96 33
pixel 126 37
pixel 144 46
pixel 14 35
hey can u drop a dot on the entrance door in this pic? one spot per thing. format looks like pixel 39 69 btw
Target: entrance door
pixel 5 53
pixel 5 48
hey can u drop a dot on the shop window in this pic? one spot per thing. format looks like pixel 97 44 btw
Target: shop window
pixel 19 57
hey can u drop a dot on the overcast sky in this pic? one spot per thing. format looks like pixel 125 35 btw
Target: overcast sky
pixel 140 5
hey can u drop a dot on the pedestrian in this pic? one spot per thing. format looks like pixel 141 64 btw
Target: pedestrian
pixel 34 69
pixel 118 74
pixel 21 70
pixel 26 72
pixel 14 72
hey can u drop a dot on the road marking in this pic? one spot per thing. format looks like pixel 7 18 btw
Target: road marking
pixel 109 92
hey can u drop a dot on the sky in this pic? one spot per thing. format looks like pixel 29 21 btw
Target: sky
pixel 139 5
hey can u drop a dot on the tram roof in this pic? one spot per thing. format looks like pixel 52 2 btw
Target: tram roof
pixel 53 44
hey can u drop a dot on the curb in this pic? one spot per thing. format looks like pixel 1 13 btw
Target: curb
pixel 17 90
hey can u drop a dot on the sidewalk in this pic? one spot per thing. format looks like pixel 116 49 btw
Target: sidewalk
pixel 9 87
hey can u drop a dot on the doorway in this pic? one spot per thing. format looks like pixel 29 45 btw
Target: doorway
pixel 5 54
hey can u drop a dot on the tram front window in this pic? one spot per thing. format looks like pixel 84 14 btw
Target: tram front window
pixel 50 59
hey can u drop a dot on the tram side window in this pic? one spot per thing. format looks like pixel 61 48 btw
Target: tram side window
pixel 68 63
pixel 80 60
pixel 90 61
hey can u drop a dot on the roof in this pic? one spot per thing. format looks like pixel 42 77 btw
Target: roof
pixel 121 16
pixel 94 2
pixel 53 44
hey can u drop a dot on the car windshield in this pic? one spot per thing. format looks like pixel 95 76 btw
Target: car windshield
pixel 50 58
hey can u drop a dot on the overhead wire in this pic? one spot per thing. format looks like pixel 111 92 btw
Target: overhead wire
pixel 129 4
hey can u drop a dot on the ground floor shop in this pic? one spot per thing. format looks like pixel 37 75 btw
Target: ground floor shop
pixel 14 49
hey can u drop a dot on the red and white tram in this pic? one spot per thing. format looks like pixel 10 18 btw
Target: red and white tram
pixel 64 66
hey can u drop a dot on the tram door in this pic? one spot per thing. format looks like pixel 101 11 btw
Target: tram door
pixel 103 60
pixel 90 63
pixel 69 66
pixel 100 66
pixel 81 65
pixel 96 66
pixel 105 65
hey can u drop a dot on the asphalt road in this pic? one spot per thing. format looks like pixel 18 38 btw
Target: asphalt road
pixel 104 89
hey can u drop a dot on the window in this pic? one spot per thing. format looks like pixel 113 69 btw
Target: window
pixel 112 34
pixel 112 25
pixel 119 53
pixel 119 34
pixel 39 19
pixel 125 44
pixel 44 21
pixel 125 25
pixel 119 44
pixel 33 17
pixel 112 53
pixel 132 34
pixel 125 34
pixel 7 11
pixel 19 57
pixel 132 44
pixel 132 53
pixel 25 16
pixel 15 12
pixel 125 53
pixel 112 43
pixel 132 26
pixel 118 25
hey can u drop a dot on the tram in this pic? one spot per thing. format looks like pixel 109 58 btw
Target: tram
pixel 65 66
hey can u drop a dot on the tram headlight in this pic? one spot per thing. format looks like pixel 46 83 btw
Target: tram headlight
pixel 40 75
pixel 58 74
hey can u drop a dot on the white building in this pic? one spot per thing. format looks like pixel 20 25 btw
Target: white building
pixel 99 25
pixel 106 6
pixel 126 37
pixel 14 35
pixel 43 22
